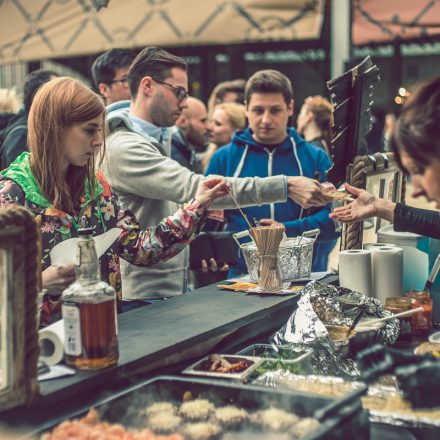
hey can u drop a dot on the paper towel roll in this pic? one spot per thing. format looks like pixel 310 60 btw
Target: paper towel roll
pixel 376 245
pixel 387 272
pixel 355 270
pixel 52 343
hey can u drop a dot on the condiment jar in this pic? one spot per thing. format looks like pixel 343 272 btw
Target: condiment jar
pixel 398 304
pixel 421 322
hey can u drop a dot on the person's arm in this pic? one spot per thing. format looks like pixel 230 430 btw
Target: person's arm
pixel 137 167
pixel 416 220
pixel 162 242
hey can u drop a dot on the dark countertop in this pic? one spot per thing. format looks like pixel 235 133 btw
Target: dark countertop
pixel 160 336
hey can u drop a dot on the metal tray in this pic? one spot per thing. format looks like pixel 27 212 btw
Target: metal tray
pixel 341 419
pixel 199 368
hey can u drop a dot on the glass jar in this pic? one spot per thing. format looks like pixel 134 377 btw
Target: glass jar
pixel 421 322
pixel 398 304
pixel 89 312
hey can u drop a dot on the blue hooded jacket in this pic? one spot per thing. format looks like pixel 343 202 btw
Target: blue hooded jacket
pixel 244 157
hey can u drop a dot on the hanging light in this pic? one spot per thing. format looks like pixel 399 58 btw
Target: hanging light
pixel 402 91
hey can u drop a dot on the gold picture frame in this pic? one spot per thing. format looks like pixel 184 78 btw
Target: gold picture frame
pixel 18 307
pixel 380 176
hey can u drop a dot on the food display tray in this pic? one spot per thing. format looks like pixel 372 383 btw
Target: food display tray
pixel 285 357
pixel 339 419
pixel 199 368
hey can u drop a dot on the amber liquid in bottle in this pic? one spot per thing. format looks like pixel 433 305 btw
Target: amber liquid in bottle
pixel 89 312
pixel 99 338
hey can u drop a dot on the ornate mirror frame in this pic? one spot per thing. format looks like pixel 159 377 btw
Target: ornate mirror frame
pixel 18 307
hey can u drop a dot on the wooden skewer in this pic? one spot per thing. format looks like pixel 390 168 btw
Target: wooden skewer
pixel 241 211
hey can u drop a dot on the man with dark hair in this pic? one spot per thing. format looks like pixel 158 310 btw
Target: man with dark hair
pixel 109 73
pixel 138 166
pixel 269 147
pixel 13 138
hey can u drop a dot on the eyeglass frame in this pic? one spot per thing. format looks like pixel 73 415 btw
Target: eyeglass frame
pixel 123 81
pixel 177 90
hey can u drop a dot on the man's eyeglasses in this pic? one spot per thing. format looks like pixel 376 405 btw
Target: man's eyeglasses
pixel 123 81
pixel 180 92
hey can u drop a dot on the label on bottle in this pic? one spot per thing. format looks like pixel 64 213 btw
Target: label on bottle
pixel 72 329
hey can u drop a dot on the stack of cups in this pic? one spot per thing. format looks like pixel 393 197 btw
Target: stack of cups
pixel 376 270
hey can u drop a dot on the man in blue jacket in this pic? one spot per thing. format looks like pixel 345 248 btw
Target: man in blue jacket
pixel 268 148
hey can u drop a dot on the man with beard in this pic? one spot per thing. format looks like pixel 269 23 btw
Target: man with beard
pixel 139 168
pixel 189 135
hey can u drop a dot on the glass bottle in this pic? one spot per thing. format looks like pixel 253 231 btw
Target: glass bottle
pixel 398 304
pixel 89 312
pixel 421 322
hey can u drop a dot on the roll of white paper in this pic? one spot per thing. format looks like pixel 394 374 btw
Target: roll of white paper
pixel 387 272
pixel 355 270
pixel 376 245
pixel 52 343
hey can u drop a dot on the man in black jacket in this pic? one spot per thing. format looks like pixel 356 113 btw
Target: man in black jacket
pixel 13 138
pixel 189 135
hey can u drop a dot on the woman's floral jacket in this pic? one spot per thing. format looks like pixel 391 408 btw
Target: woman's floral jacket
pixel 102 212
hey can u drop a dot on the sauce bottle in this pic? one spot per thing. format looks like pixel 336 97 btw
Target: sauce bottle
pixel 89 312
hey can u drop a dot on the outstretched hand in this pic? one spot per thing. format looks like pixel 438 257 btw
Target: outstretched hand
pixel 308 192
pixel 363 207
pixel 210 189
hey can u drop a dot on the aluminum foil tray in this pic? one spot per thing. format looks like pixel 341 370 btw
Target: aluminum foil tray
pixel 200 368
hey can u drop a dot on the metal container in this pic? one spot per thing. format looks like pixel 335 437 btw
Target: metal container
pixel 343 345
pixel 201 367
pixel 339 418
pixel 293 358
pixel 365 337
pixel 294 256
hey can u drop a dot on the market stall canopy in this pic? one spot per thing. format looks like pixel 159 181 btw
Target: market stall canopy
pixel 42 29
pixel 378 21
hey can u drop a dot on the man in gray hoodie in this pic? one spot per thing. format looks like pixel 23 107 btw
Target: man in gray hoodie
pixel 138 166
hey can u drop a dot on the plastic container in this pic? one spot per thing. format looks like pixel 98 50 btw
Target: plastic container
pixel 415 255
pixel 201 367
pixel 296 359
pixel 294 256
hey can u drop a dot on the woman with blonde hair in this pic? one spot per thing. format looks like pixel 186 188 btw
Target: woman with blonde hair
pixel 57 182
pixel 9 101
pixel 315 121
pixel 226 118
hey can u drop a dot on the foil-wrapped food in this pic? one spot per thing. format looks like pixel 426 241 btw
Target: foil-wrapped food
pixel 324 305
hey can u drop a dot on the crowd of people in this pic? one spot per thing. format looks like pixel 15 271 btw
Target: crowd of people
pixel 142 152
